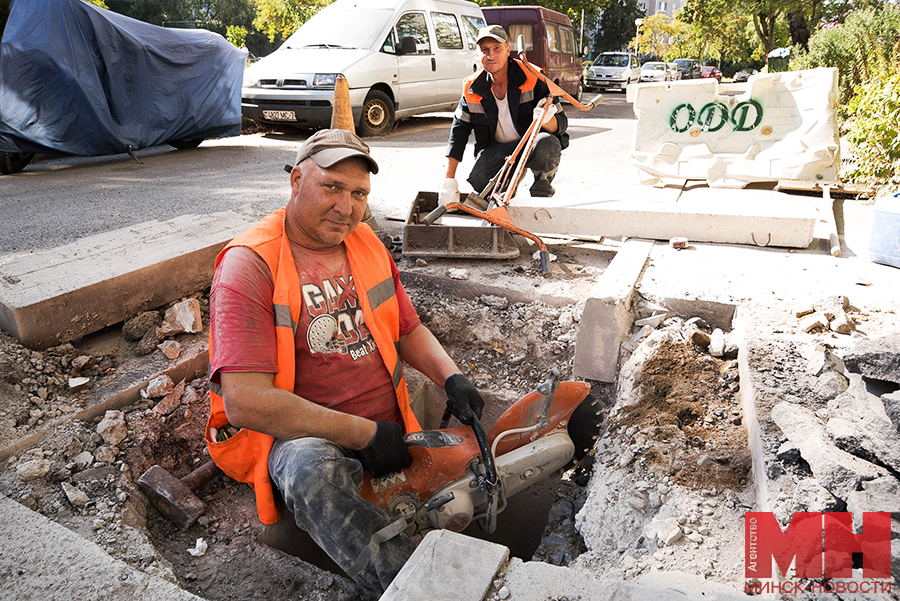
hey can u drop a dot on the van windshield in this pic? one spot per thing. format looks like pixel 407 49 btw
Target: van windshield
pixel 611 60
pixel 359 28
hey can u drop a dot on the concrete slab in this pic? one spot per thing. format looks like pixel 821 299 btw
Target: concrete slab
pixel 447 566
pixel 531 581
pixel 40 559
pixel 717 315
pixel 608 314
pixel 754 217
pixel 51 297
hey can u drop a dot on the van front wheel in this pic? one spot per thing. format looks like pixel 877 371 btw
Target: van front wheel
pixel 377 115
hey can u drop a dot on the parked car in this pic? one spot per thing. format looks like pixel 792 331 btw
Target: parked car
pixel 674 71
pixel 690 68
pixel 613 70
pixel 81 80
pixel 655 71
pixel 400 58
pixel 710 72
pixel 549 42
pixel 744 75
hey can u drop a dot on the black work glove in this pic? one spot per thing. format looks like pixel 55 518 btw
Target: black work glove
pixel 463 399
pixel 386 452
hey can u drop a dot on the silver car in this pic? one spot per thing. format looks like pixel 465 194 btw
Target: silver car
pixel 674 71
pixel 613 70
pixel 655 71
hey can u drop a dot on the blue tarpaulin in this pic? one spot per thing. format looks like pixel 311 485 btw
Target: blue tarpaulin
pixel 79 79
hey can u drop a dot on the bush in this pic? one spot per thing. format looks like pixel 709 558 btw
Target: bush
pixel 873 130
pixel 862 48
pixel 865 48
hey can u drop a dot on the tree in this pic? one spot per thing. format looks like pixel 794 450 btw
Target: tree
pixel 765 14
pixel 657 33
pixel 615 28
pixel 281 18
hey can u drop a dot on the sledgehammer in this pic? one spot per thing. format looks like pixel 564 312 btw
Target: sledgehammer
pixel 175 498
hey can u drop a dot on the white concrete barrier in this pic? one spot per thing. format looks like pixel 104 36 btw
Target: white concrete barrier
pixel 781 126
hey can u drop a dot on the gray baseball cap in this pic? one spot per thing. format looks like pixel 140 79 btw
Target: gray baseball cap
pixel 330 146
pixel 495 32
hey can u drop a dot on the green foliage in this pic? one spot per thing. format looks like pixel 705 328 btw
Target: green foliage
pixel 657 33
pixel 281 18
pixel 873 130
pixel 236 34
pixel 615 29
pixel 864 47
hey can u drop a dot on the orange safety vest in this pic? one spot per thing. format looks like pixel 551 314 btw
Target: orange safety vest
pixel 245 456
pixel 527 88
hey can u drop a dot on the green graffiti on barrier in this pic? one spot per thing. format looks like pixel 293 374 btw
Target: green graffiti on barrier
pixel 746 116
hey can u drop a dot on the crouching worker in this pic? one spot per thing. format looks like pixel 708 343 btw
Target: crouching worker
pixel 309 323
pixel 499 102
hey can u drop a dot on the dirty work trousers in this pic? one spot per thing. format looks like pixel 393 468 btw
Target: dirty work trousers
pixel 320 482
pixel 543 162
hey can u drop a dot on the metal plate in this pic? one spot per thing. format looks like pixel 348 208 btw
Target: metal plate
pixel 466 242
pixel 280 115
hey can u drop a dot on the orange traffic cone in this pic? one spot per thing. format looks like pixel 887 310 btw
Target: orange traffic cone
pixel 342 114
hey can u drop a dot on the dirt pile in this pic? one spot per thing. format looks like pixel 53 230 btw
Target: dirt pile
pixel 670 481
pixel 506 347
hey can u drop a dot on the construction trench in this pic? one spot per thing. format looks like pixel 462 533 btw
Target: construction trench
pixel 729 377
pixel 688 441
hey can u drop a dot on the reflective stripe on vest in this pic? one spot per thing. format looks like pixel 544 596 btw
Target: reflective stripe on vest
pixel 245 455
pixel 473 100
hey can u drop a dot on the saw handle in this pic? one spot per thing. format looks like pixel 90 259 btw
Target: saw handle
pixel 594 102
pixel 433 216
pixel 490 469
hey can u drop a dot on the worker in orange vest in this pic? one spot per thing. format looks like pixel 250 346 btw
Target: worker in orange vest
pixel 308 326
pixel 499 103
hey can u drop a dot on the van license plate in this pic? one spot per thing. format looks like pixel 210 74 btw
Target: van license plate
pixel 280 115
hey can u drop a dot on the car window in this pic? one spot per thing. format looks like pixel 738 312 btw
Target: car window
pixel 390 43
pixel 331 28
pixel 447 32
pixel 472 25
pixel 526 30
pixel 611 60
pixel 552 37
pixel 568 40
pixel 413 25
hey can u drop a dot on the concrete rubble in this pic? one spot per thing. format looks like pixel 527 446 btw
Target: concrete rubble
pixel 662 504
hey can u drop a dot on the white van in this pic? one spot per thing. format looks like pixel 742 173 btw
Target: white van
pixel 613 70
pixel 400 58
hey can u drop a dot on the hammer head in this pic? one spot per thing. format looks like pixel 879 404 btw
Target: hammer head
pixel 171 497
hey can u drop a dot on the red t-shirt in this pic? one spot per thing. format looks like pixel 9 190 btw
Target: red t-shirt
pixel 337 362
